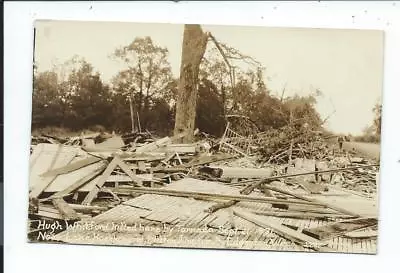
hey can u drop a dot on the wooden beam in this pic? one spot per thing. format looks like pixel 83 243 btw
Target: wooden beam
pixel 128 171
pixel 83 208
pixel 312 200
pixel 288 233
pixel 340 228
pixel 210 196
pixel 107 172
pixel 149 147
pixel 89 177
pixel 66 211
pixel 237 172
pixel 72 166
pixel 256 184
pixel 178 148
pixel 207 159
pixel 301 215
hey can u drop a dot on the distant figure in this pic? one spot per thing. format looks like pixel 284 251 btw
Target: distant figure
pixel 340 140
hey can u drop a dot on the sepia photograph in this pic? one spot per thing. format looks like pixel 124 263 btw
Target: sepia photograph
pixel 205 136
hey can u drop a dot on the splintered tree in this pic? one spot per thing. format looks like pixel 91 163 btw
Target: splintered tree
pixel 193 48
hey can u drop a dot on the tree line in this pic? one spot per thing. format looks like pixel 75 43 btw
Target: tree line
pixel 143 95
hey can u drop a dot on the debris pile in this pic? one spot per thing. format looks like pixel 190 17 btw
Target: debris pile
pixel 256 180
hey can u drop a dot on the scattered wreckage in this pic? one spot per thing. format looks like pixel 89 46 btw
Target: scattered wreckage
pixel 280 193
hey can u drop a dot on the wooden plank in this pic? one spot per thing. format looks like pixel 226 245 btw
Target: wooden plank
pixel 256 184
pixel 50 214
pixel 43 182
pixel 178 148
pixel 60 147
pixel 238 172
pixel 141 166
pixel 153 145
pixel 340 228
pixel 312 200
pixel 179 158
pixel 35 155
pixel 362 234
pixel 89 177
pixel 208 196
pixel 300 215
pixel 124 178
pixel 207 159
pixel 128 171
pixel 72 167
pixel 66 211
pixel 83 208
pixel 288 233
pixel 235 149
pixel 107 172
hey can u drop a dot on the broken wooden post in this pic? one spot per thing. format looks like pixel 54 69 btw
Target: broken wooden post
pixel 193 48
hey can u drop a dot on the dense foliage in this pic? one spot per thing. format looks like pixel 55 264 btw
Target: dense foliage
pixel 75 97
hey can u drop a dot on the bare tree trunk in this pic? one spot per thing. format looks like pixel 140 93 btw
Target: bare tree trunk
pixel 131 109
pixel 193 48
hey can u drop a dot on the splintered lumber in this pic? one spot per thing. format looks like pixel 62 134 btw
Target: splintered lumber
pixel 230 203
pixel 362 234
pixel 61 158
pixel 72 167
pixel 222 205
pixel 237 172
pixel 107 172
pixel 150 147
pixel 206 159
pixel 66 211
pixel 116 161
pixel 111 144
pixel 287 233
pixel 141 166
pixel 124 178
pixel 47 212
pixel 153 145
pixel 340 228
pixel 235 149
pixel 208 196
pixel 256 184
pixel 128 171
pixel 178 148
pixel 114 142
pixel 152 156
pixel 312 200
pixel 199 160
pixel 83 208
pixel 87 178
pixel 301 215
pixel 88 136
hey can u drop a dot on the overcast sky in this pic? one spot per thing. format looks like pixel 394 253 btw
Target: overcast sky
pixel 346 65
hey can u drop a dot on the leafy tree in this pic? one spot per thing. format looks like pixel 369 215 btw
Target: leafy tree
pixel 210 109
pixel 76 100
pixel 46 100
pixel 147 78
pixel 88 97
